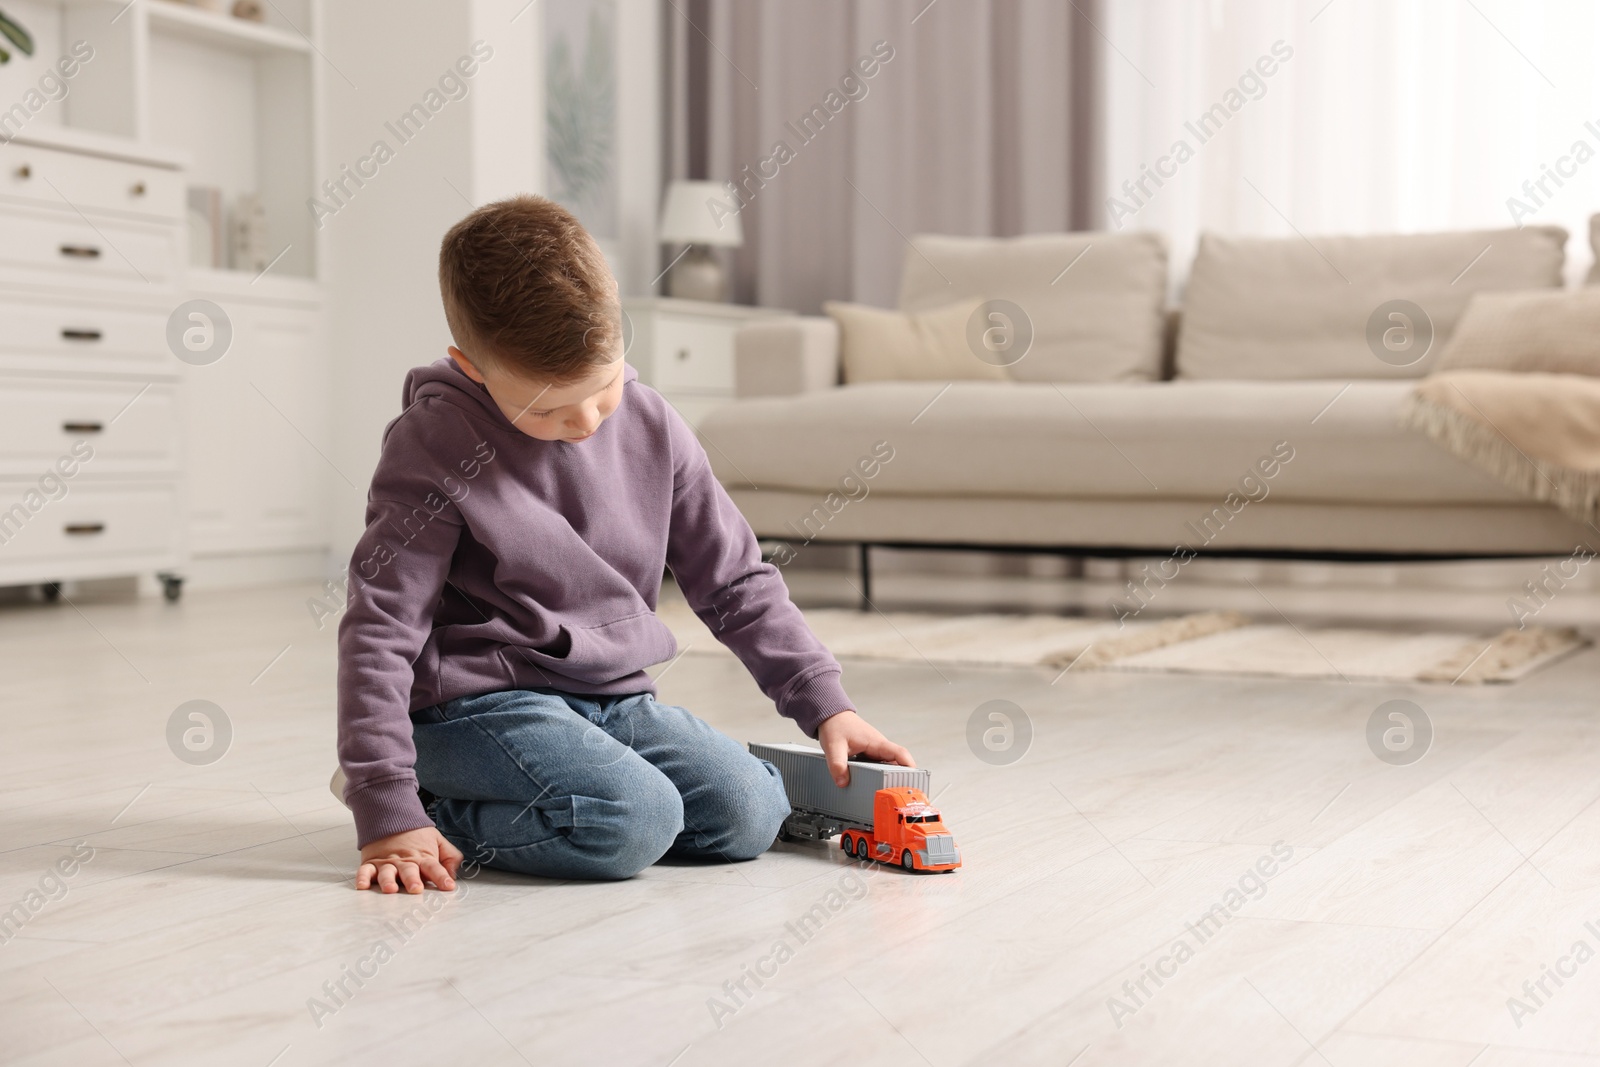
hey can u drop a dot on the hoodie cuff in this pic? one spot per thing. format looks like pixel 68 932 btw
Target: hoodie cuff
pixel 817 698
pixel 385 808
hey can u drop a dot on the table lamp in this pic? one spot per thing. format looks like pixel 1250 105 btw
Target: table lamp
pixel 701 215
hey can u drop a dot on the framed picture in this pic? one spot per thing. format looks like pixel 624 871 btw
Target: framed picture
pixel 580 100
pixel 601 126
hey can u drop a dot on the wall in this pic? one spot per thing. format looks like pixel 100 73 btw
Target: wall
pixel 380 249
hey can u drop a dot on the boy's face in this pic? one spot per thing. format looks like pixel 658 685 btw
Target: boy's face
pixel 568 412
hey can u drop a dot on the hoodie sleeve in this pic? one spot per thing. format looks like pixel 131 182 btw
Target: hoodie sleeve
pixel 742 599
pixel 397 574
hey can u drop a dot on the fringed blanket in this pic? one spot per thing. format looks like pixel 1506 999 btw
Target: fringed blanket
pixel 1537 433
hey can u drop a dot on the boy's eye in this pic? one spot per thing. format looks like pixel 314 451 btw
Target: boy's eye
pixel 538 414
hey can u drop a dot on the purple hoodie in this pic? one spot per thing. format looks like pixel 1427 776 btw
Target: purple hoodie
pixel 496 561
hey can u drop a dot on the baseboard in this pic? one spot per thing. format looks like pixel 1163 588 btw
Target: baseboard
pixel 243 569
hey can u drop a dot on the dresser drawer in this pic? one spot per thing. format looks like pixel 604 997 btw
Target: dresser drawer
pixel 62 248
pixel 90 522
pixel 41 420
pixel 91 184
pixel 692 355
pixel 83 336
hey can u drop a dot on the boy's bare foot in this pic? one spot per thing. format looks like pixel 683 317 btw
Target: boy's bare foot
pixel 409 858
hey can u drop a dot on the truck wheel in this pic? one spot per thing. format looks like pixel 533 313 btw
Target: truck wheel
pixel 846 843
pixel 908 861
pixel 861 848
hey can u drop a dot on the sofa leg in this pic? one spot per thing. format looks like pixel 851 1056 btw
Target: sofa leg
pixel 866 575
pixel 1075 570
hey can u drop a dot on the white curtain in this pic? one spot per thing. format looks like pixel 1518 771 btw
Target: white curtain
pixel 1390 116
pixel 981 123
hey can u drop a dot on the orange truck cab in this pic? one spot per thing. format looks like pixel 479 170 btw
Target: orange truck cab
pixel 906 830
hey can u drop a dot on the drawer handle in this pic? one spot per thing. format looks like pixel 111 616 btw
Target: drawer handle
pixel 69 334
pixel 82 427
pixel 137 190
pixel 683 354
pixel 84 529
pixel 25 172
pixel 80 251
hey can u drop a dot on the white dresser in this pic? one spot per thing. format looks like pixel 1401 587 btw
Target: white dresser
pixel 684 349
pixel 91 260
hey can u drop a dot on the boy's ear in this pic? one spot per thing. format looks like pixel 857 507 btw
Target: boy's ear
pixel 465 364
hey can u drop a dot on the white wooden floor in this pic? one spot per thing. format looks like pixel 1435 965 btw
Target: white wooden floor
pixel 217 908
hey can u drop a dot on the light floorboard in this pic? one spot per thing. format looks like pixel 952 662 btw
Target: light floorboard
pixel 219 902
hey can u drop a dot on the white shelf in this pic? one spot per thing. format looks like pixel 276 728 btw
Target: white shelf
pixel 105 145
pixel 223 31
pixel 251 285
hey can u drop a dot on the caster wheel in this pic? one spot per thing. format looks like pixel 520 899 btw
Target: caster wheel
pixel 51 591
pixel 171 587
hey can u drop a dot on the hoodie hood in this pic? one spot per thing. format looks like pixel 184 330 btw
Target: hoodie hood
pixel 444 380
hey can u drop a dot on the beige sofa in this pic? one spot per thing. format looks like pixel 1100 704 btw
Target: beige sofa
pixel 1125 430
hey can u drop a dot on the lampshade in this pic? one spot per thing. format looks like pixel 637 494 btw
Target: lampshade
pixel 700 213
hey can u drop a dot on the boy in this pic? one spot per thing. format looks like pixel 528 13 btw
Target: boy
pixel 492 693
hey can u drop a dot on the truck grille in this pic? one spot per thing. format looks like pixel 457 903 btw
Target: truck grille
pixel 941 849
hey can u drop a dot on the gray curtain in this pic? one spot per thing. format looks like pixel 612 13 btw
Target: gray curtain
pixel 982 122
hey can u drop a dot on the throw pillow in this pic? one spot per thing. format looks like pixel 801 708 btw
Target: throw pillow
pixel 1553 333
pixel 1093 303
pixel 879 346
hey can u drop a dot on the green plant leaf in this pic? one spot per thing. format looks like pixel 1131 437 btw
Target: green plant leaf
pixel 16 35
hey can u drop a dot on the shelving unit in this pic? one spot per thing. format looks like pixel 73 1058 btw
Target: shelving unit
pixel 231 105
pixel 223 31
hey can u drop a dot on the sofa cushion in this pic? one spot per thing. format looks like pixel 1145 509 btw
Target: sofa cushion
pixel 1291 307
pixel 1194 440
pixel 884 346
pixel 1094 301
pixel 1547 332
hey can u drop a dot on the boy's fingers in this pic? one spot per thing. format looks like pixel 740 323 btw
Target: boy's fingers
pixel 836 753
pixel 437 874
pixel 449 855
pixel 898 754
pixel 883 750
pixel 386 878
pixel 364 876
pixel 411 877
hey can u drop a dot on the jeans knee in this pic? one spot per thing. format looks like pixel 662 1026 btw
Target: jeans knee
pixel 650 820
pixel 763 805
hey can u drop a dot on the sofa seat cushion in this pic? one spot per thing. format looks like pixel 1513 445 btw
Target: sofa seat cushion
pixel 1187 439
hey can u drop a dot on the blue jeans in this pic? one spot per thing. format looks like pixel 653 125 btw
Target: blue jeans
pixel 547 783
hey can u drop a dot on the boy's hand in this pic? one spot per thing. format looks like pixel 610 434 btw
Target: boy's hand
pixel 848 734
pixel 412 856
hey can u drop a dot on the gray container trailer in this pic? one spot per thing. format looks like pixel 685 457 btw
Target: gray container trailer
pixel 822 809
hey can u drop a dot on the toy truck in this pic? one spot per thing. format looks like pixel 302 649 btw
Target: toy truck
pixel 883 814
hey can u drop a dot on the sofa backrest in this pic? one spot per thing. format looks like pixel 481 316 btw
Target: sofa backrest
pixel 1094 300
pixel 1296 307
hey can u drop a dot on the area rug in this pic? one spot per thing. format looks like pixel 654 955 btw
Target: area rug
pixel 1206 643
